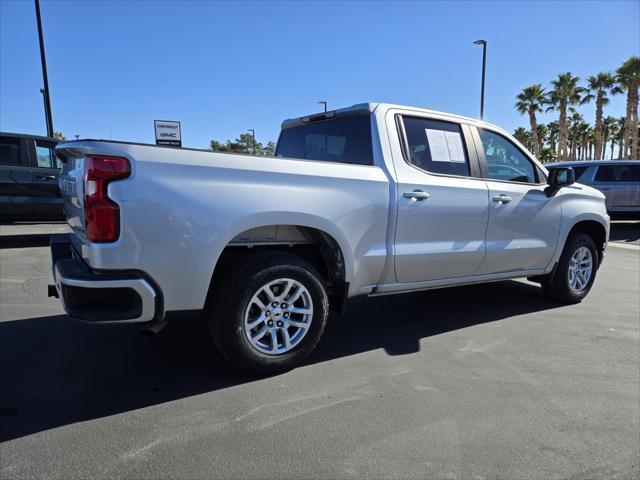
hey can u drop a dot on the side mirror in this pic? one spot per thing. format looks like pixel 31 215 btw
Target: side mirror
pixel 559 177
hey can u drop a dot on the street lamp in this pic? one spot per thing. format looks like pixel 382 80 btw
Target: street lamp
pixel 46 110
pixel 484 65
pixel 253 135
pixel 325 104
pixel 45 78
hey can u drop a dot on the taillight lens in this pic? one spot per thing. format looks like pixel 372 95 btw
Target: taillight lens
pixel 102 214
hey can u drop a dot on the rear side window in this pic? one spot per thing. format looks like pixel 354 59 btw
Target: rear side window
pixel 9 151
pixel 579 171
pixel 45 156
pixel 435 146
pixel 342 140
pixel 618 173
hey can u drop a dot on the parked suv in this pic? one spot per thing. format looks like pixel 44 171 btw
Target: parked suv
pixel 29 178
pixel 619 180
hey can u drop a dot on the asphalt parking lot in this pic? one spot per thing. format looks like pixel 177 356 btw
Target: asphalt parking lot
pixel 487 381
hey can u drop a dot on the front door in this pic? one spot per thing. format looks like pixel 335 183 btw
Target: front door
pixel 523 222
pixel 442 205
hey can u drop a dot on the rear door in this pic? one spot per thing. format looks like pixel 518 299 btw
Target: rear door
pixel 47 202
pixel 15 178
pixel 620 185
pixel 523 222
pixel 442 204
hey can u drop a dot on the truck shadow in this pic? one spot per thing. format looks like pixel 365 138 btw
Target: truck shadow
pixel 57 372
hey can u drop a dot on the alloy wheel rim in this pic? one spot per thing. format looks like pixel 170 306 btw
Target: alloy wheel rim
pixel 278 316
pixel 580 269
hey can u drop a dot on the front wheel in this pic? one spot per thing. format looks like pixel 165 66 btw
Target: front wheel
pixel 576 270
pixel 269 312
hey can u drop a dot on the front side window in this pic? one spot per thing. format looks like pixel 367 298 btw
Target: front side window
pixel 436 146
pixel 579 171
pixel 505 161
pixel 618 173
pixel 45 156
pixel 342 139
pixel 9 152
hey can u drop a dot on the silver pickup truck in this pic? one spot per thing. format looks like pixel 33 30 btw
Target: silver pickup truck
pixel 372 199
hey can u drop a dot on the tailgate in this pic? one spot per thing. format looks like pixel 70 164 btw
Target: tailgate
pixel 72 186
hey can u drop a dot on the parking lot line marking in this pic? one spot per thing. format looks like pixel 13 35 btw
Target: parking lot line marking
pixel 624 245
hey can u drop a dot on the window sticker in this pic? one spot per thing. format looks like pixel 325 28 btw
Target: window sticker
pixel 445 146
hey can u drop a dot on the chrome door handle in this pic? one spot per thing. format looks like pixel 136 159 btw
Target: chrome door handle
pixel 416 195
pixel 502 198
pixel 47 177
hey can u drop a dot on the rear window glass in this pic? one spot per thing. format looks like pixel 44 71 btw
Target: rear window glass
pixel 618 173
pixel 342 140
pixel 9 151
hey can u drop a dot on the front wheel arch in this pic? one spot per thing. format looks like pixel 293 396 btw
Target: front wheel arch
pixel 593 229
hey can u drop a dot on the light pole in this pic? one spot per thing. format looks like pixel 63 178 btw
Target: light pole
pixel 484 66
pixel 46 110
pixel 47 99
pixel 325 104
pixel 253 135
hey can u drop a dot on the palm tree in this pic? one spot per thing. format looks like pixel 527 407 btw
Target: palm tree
pixel 622 128
pixel 574 127
pixel 523 136
pixel 543 134
pixel 629 79
pixel 590 142
pixel 554 129
pixel 609 132
pixel 530 101
pixel 599 87
pixel 565 93
pixel 547 154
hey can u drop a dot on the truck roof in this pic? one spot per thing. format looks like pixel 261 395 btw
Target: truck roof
pixel 590 163
pixel 372 107
pixel 28 135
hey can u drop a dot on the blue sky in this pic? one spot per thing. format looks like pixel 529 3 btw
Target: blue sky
pixel 224 67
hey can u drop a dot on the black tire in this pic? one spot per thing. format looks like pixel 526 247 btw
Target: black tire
pixel 230 297
pixel 556 284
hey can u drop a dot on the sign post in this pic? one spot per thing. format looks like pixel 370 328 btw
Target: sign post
pixel 168 133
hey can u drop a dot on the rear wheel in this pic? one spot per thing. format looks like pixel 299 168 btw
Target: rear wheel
pixel 576 270
pixel 269 312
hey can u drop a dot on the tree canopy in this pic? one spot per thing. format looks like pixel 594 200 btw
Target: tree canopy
pixel 244 144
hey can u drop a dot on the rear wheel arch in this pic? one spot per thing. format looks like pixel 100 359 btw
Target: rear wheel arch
pixel 316 246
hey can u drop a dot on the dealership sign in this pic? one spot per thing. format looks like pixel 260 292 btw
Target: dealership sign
pixel 168 133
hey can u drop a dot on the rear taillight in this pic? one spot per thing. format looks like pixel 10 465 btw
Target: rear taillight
pixel 102 214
